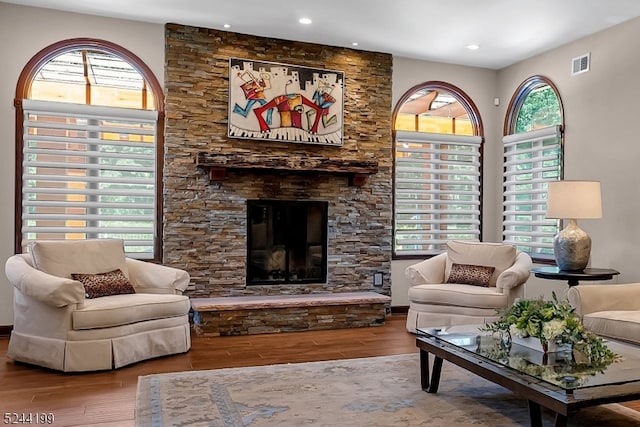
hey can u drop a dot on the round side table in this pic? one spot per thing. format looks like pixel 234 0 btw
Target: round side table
pixel 573 277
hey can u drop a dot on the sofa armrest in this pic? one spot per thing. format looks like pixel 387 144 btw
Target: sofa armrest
pixel 51 290
pixel 147 277
pixel 604 297
pixel 429 271
pixel 517 274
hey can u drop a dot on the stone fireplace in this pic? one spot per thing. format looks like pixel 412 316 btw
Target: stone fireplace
pixel 211 181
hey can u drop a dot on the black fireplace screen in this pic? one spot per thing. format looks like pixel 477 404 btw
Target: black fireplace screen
pixel 286 242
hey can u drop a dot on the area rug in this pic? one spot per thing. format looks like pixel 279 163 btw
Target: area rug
pixel 378 391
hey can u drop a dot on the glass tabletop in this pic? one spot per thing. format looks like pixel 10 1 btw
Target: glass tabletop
pixel 561 368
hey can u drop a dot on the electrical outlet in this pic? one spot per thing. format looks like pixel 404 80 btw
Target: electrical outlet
pixel 377 279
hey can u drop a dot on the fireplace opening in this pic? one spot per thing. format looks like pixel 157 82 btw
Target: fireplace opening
pixel 286 242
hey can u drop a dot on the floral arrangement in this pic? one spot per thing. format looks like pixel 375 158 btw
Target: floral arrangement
pixel 552 321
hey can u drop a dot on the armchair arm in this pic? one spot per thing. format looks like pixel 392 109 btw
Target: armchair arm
pixel 51 290
pixel 147 277
pixel 604 297
pixel 517 274
pixel 429 271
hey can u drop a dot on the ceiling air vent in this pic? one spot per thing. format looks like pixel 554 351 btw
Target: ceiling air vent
pixel 580 64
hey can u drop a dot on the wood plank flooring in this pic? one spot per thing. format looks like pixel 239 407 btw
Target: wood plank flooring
pixel 107 399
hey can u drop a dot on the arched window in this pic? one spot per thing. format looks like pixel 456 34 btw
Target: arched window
pixel 437 164
pixel 532 157
pixel 89 126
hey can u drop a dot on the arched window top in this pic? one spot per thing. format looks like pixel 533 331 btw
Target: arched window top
pixel 90 71
pixel 532 145
pixel 535 104
pixel 437 107
pixel 89 148
pixel 437 170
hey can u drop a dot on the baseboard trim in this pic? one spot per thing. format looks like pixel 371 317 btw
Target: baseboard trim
pixel 5 331
pixel 399 309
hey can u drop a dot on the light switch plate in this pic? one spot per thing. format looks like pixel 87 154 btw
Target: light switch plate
pixel 377 279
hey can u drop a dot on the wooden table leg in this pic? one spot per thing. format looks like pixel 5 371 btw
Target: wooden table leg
pixel 534 414
pixel 424 369
pixel 435 376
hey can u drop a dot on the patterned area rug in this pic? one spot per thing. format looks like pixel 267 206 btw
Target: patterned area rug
pixel 378 391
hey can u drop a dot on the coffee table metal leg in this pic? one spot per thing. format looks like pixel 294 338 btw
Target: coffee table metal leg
pixel 561 420
pixel 534 414
pixel 424 369
pixel 435 376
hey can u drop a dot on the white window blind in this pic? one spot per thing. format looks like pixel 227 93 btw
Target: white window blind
pixel 532 159
pixel 89 172
pixel 437 191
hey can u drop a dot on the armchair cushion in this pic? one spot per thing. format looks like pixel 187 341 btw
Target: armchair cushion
pixel 498 255
pixel 119 310
pixel 62 258
pixel 621 325
pixel 456 295
pixel 104 284
pixel 466 274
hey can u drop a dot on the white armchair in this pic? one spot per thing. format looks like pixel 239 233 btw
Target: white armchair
pixel 439 298
pixel 58 327
pixel 609 310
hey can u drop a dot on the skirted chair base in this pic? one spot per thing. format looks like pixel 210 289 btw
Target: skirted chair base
pixel 429 315
pixel 70 355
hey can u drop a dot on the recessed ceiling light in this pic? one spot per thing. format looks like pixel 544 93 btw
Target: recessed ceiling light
pixel 305 21
pixel 354 44
pixel 227 26
pixel 473 46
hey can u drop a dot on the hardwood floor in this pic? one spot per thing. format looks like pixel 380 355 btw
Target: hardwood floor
pixel 107 398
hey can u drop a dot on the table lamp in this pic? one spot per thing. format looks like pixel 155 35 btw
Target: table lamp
pixel 573 200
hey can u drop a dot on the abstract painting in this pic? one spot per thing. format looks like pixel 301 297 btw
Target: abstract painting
pixel 281 102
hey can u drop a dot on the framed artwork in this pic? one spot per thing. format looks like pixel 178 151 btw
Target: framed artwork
pixel 281 102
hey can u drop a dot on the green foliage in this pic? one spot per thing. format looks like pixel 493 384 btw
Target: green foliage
pixel 551 321
pixel 540 108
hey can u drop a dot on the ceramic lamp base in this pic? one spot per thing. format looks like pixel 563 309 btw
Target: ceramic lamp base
pixel 572 248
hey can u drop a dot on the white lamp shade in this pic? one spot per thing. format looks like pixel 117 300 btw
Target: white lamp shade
pixel 574 199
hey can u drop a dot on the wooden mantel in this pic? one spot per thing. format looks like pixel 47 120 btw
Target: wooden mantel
pixel 218 165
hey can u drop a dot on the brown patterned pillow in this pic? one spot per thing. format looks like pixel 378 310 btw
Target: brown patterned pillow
pixel 104 284
pixel 467 274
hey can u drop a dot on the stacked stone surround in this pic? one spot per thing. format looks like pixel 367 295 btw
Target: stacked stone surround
pixel 205 221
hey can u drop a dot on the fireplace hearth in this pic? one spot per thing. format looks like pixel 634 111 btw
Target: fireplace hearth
pixel 286 242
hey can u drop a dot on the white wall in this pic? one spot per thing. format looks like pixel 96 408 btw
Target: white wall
pixel 24 32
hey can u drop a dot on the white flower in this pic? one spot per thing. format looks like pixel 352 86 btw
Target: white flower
pixel 552 329
pixel 518 362
pixel 520 333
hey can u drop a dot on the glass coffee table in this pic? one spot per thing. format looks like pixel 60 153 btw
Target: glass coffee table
pixel 553 380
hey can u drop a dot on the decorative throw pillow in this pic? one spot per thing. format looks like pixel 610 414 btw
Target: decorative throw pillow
pixel 466 274
pixel 104 284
